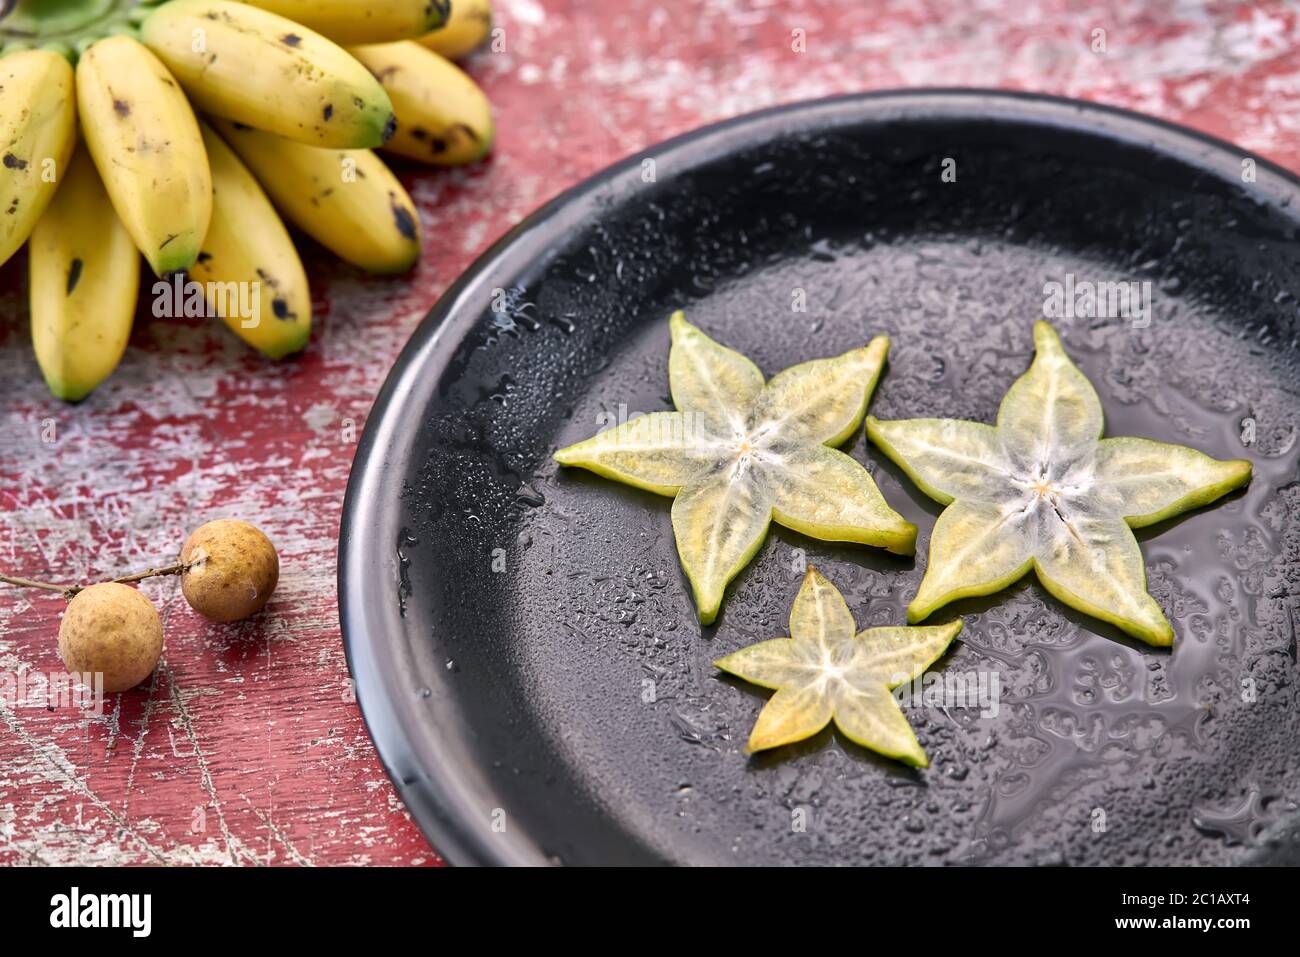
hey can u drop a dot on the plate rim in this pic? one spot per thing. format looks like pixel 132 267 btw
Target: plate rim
pixel 440 804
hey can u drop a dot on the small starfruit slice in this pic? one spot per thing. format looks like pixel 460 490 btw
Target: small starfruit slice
pixel 739 453
pixel 824 672
pixel 1042 489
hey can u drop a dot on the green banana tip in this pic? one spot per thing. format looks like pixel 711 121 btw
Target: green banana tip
pixel 177 255
pixel 67 393
pixel 290 348
pixel 487 139
pixel 377 125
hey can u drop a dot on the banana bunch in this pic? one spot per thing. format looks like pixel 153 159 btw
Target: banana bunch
pixel 202 123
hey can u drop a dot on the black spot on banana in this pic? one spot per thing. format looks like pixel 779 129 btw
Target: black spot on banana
pixel 405 221
pixel 74 274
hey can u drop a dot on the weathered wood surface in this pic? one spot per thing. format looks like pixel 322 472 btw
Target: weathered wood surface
pixel 246 748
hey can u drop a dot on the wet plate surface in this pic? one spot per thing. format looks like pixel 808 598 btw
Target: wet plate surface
pixel 524 643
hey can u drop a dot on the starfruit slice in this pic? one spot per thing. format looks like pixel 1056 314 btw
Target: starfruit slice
pixel 1042 489
pixel 739 453
pixel 824 672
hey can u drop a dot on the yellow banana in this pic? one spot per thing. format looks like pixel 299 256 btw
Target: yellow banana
pixel 442 115
pixel 250 271
pixel 466 29
pixel 145 141
pixel 38 127
pixel 370 21
pixel 84 272
pixel 257 68
pixel 347 200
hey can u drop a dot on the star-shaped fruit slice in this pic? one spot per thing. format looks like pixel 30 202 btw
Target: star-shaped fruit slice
pixel 739 453
pixel 824 672
pixel 1042 489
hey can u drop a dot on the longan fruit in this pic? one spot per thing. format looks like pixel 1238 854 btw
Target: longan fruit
pixel 113 629
pixel 237 570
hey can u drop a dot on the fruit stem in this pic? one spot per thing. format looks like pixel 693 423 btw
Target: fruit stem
pixel 71 591
pixel 28 583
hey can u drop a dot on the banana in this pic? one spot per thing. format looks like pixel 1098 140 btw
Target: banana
pixel 84 275
pixel 347 200
pixel 257 68
pixel 145 141
pixel 442 115
pixel 375 21
pixel 38 129
pixel 248 244
pixel 466 29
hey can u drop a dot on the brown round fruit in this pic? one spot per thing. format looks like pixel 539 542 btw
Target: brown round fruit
pixel 112 629
pixel 234 573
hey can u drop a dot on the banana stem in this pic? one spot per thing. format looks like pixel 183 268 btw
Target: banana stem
pixel 71 591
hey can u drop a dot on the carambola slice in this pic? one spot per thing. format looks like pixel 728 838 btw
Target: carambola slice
pixel 1043 490
pixel 739 453
pixel 825 672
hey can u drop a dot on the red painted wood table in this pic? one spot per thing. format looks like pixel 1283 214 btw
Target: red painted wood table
pixel 246 746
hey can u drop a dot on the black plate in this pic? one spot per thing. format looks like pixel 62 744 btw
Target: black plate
pixel 562 706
